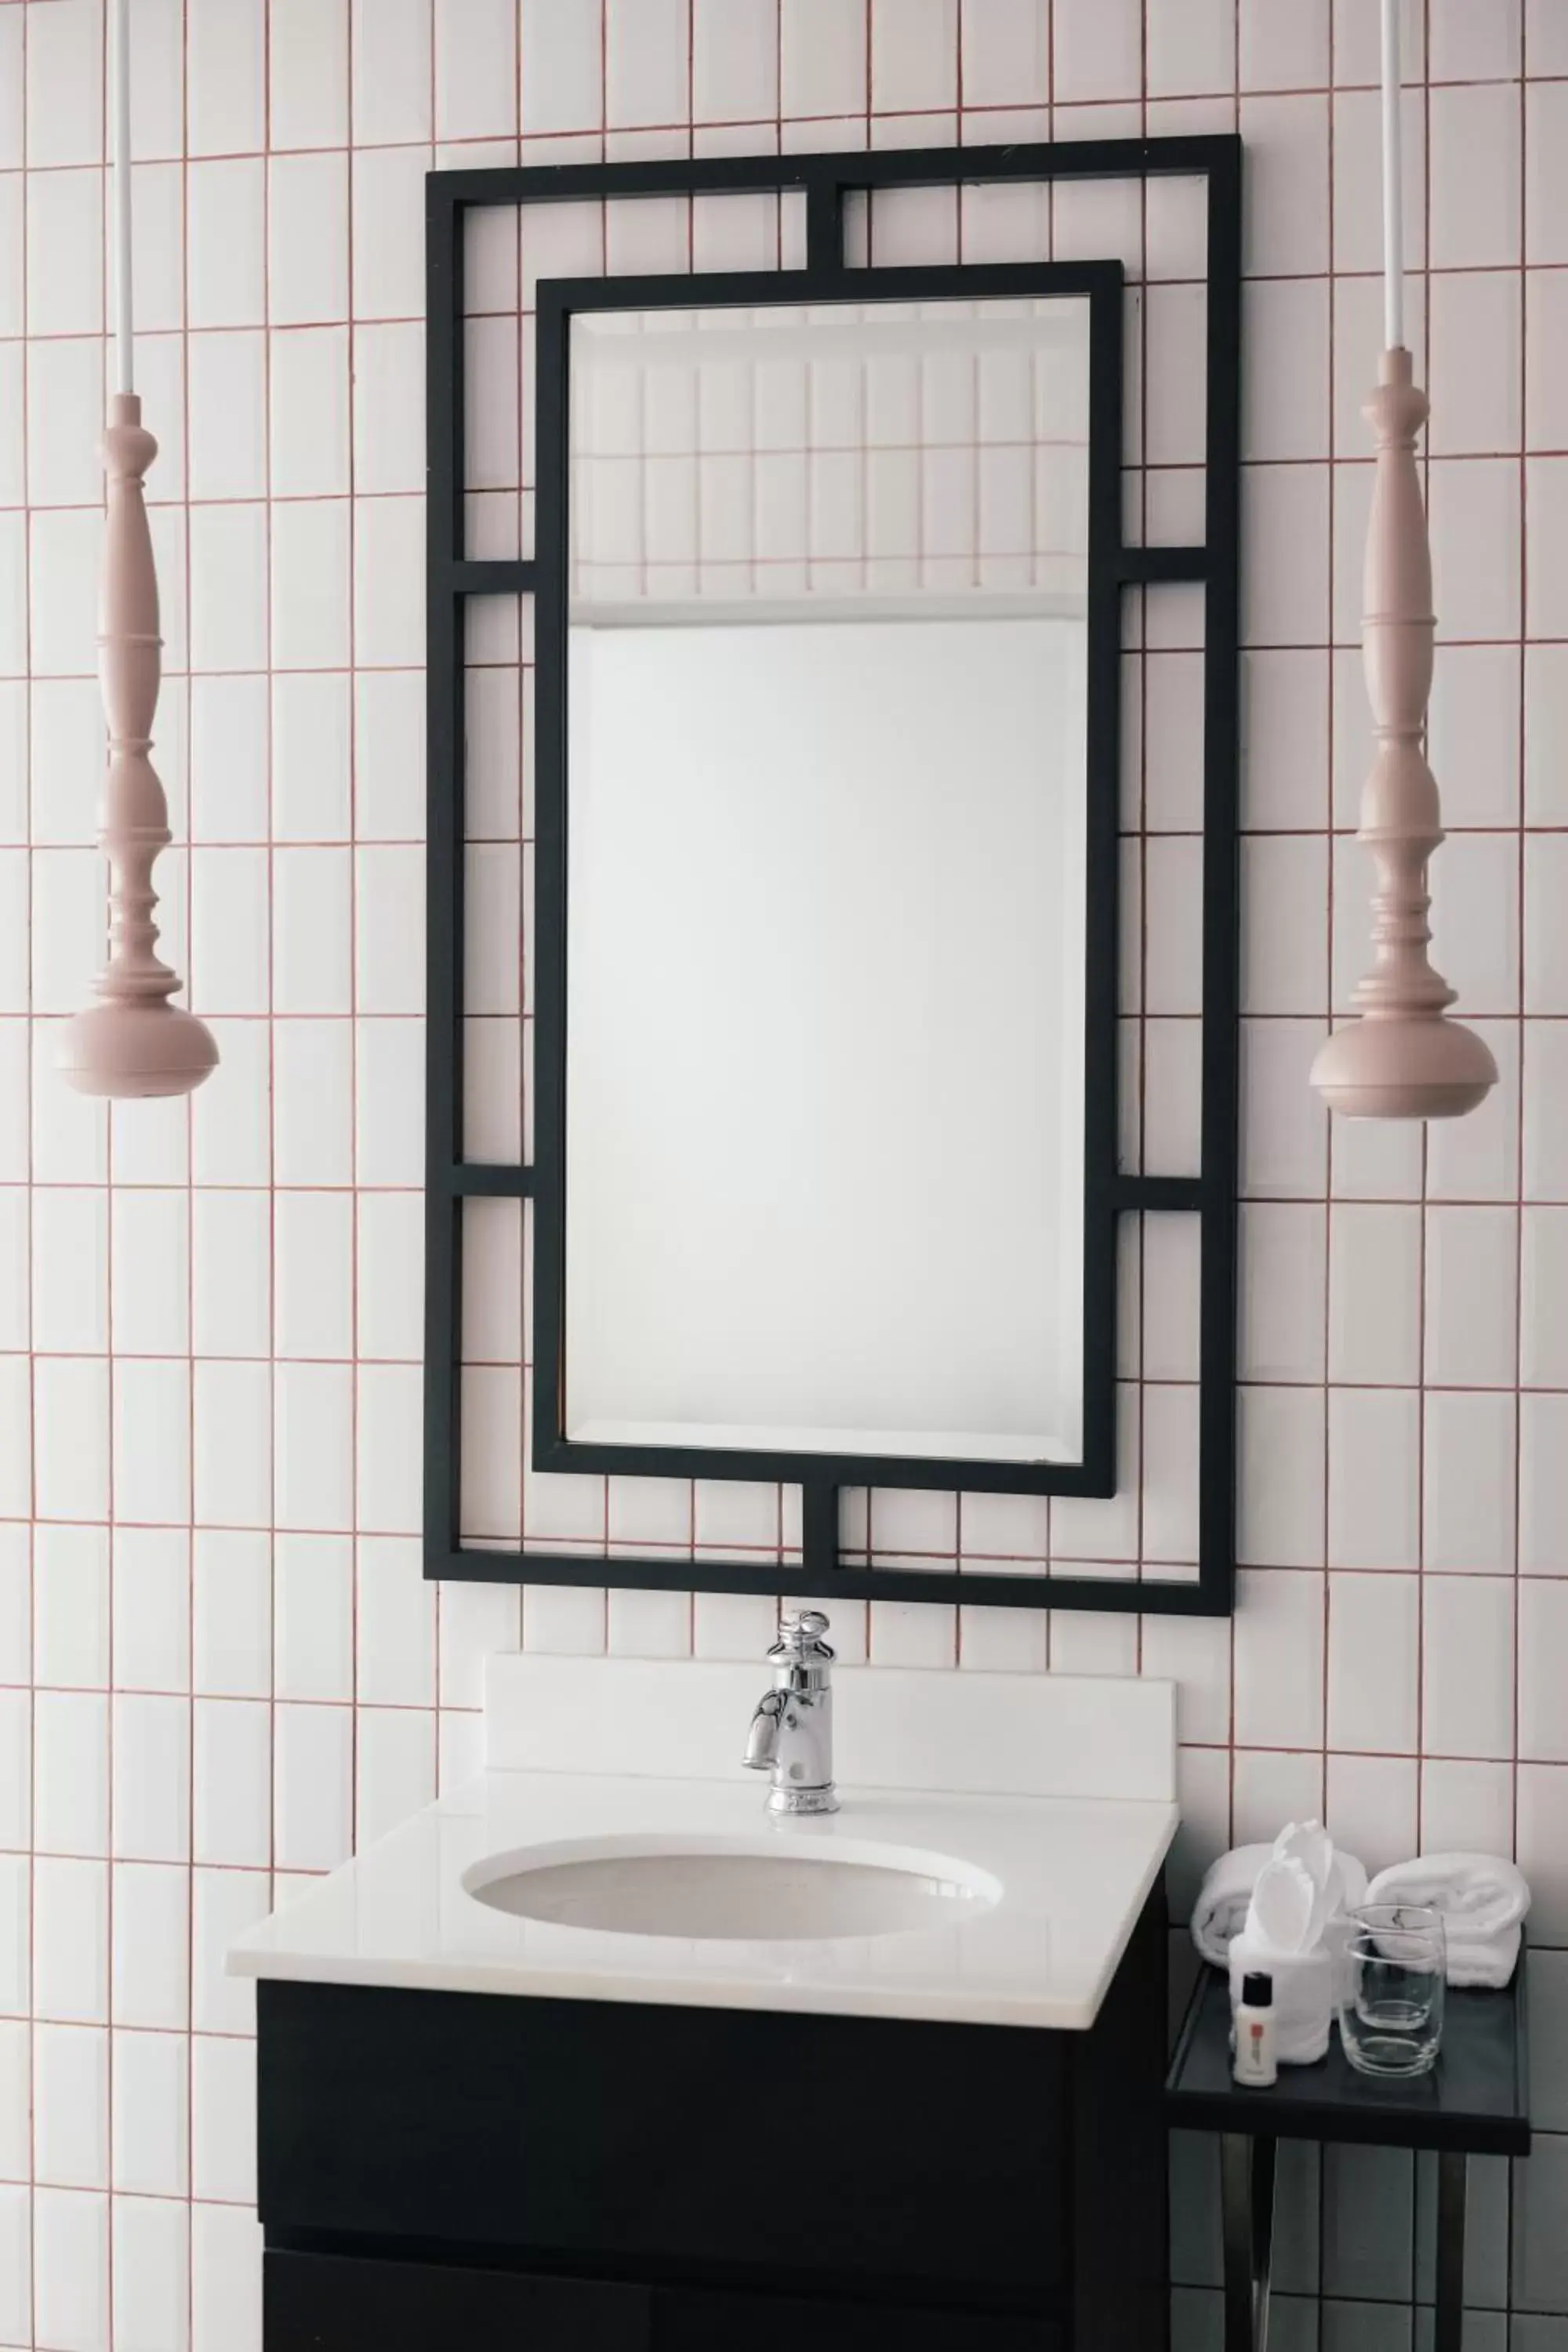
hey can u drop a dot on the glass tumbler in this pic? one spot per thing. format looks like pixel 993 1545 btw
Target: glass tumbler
pixel 1390 2006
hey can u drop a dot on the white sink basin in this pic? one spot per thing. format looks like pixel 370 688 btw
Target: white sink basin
pixel 734 1891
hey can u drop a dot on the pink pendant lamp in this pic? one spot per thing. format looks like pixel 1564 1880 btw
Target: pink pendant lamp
pixel 133 1041
pixel 1402 1057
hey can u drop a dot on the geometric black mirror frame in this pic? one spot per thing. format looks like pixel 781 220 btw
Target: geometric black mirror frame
pixel 453 581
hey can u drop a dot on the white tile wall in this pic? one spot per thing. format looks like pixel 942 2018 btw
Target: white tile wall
pixel 217 1659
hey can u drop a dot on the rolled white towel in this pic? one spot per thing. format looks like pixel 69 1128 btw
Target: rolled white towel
pixel 1220 1910
pixel 1483 1900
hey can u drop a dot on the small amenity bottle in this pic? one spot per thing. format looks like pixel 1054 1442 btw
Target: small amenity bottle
pixel 1253 2017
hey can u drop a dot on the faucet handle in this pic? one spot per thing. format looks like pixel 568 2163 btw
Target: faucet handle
pixel 800 1637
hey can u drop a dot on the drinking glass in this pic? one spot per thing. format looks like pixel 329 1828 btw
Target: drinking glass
pixel 1390 2007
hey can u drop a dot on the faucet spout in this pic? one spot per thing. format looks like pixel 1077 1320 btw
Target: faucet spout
pixel 763 1738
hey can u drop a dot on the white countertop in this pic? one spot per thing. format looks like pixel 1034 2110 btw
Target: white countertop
pixel 1070 1861
pixel 1074 1875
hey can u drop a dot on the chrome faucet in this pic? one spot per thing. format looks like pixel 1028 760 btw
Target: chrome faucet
pixel 792 1729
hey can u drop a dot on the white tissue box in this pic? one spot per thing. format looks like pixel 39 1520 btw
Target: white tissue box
pixel 1304 1995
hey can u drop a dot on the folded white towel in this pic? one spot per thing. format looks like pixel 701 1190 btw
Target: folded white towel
pixel 1303 1994
pixel 1220 1910
pixel 1483 1900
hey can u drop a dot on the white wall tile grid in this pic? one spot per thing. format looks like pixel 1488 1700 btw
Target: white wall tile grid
pixel 757 454
pixel 218 1666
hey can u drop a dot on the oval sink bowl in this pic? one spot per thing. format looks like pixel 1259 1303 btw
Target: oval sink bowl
pixel 707 1889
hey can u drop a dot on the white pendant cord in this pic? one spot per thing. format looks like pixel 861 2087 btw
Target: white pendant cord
pixel 1392 184
pixel 124 366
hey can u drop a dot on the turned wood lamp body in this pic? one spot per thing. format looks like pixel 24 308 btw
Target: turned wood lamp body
pixel 133 1041
pixel 1404 1056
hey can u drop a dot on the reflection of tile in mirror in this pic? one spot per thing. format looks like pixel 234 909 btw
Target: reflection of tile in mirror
pixel 855 450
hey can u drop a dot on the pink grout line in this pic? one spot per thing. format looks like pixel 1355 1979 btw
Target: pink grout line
pixel 1517 1692
pixel 109 1808
pixel 30 1073
pixel 191 798
pixel 1325 1694
pixel 353 1430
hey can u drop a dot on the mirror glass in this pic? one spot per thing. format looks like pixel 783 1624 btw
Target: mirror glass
pixel 826 880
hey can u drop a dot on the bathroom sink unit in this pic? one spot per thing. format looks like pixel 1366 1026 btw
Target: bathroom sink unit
pixel 599 2053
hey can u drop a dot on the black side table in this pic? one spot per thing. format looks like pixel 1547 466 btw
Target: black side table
pixel 1475 2102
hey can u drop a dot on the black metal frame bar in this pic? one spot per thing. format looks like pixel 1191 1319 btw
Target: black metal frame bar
pixel 452 578
pixel 1246 2214
pixel 1247 2229
pixel 1453 2192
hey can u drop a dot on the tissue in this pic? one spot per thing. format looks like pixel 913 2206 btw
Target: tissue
pixel 1283 1936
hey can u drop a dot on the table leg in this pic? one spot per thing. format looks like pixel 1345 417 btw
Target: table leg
pixel 1246 2205
pixel 1447 2334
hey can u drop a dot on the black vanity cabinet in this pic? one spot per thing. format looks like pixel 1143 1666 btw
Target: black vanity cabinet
pixel 462 2172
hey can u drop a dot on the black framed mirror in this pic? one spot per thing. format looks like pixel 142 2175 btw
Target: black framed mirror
pixel 829 586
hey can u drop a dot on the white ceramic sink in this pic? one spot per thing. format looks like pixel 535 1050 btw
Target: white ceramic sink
pixel 709 1888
